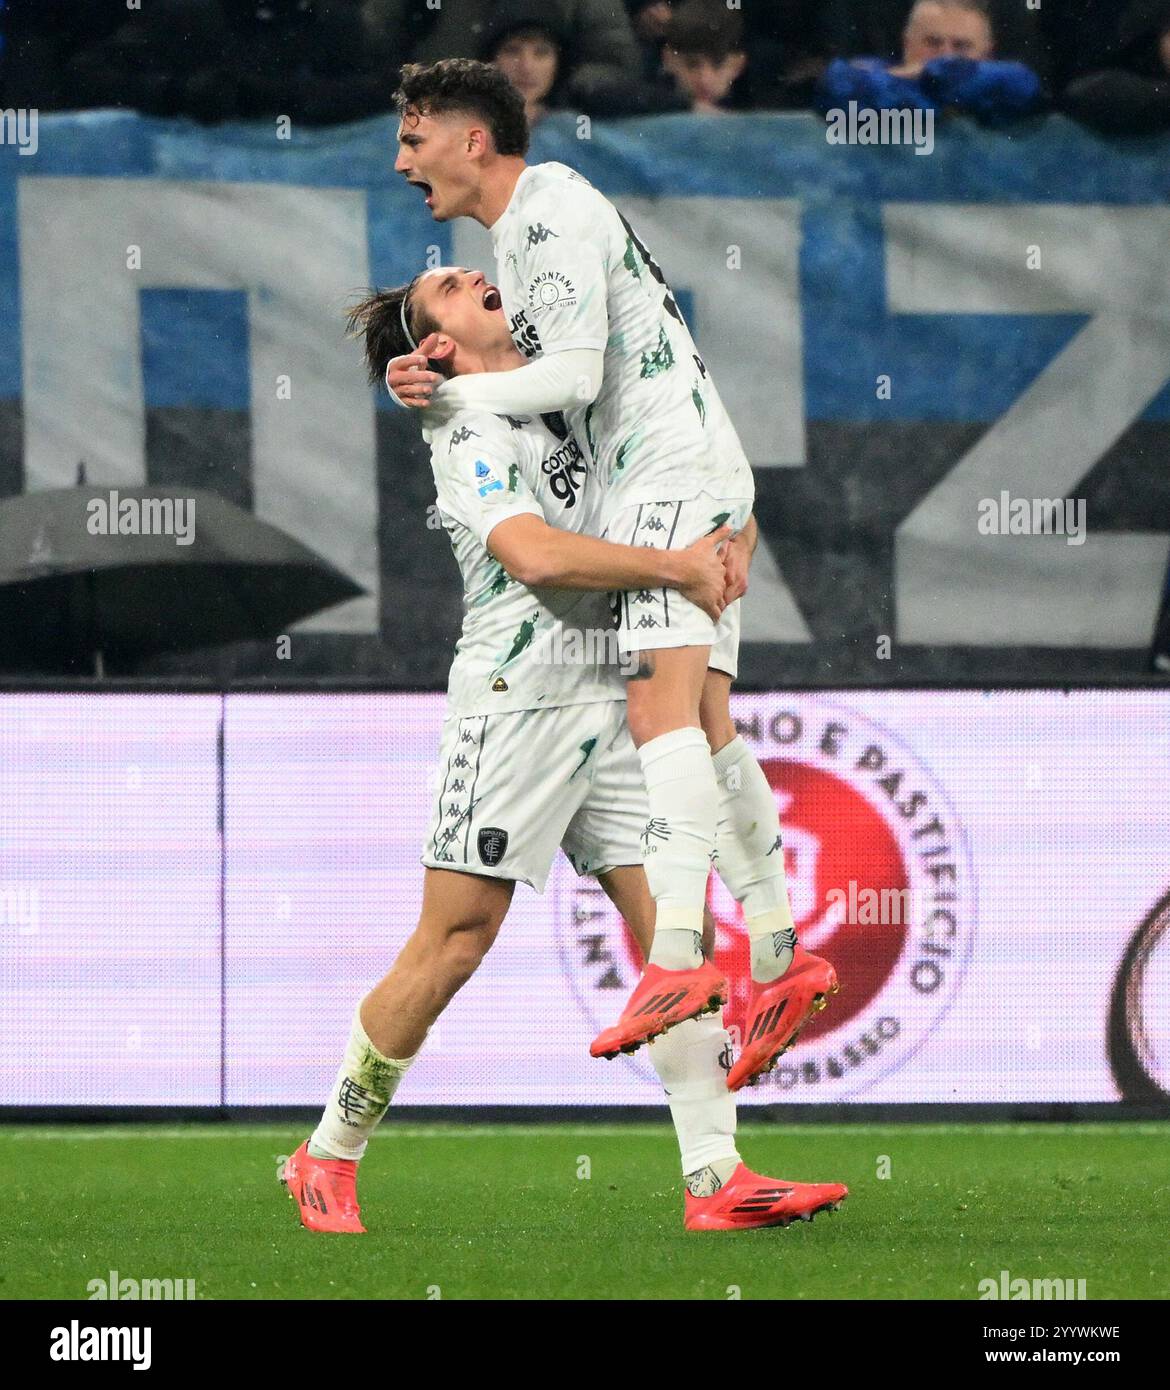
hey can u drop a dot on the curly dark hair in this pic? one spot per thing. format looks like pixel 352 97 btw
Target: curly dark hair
pixel 464 85
pixel 378 319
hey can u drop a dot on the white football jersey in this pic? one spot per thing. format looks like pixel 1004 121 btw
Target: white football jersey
pixel 574 274
pixel 520 648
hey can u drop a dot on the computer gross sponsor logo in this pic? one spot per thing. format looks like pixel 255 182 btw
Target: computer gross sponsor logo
pixel 881 884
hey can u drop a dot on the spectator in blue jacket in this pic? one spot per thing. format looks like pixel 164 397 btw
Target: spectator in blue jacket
pixel 947 64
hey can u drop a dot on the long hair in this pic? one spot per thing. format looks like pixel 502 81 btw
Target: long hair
pixel 378 318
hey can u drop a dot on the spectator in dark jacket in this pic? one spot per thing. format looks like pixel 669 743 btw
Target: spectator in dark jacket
pixel 946 64
pixel 1131 95
pixel 601 57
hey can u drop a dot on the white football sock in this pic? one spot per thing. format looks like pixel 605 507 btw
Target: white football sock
pixel 678 841
pixel 692 1061
pixel 363 1090
pixel 750 858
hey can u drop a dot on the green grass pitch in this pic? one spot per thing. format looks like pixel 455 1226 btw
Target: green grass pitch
pixel 476 1211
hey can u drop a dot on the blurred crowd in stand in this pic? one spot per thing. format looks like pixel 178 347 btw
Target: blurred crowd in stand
pixel 1104 62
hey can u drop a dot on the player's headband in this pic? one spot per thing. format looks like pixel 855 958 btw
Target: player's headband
pixel 402 319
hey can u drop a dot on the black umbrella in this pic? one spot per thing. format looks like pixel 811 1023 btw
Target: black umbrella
pixel 94 576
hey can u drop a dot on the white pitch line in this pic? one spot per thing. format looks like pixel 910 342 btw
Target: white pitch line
pixel 201 1130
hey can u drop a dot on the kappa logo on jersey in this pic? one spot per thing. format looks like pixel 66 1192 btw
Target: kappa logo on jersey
pixel 524 334
pixel 517 424
pixel 486 479
pixel 552 290
pixel 461 436
pixel 539 234
pixel 492 843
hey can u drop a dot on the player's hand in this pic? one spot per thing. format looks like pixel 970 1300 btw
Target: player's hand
pixel 702 577
pixel 737 559
pixel 410 380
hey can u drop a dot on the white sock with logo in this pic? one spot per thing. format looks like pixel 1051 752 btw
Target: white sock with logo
pixel 692 1061
pixel 678 842
pixel 749 857
pixel 361 1094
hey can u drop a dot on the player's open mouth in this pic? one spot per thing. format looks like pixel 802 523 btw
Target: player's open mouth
pixel 492 300
pixel 427 189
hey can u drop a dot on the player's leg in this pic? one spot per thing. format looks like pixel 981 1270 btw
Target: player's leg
pixel 691 1060
pixel 460 918
pixel 790 984
pixel 749 856
pixel 722 1193
pixel 663 711
pixel 669 639
pixel 505 794
pixel 613 826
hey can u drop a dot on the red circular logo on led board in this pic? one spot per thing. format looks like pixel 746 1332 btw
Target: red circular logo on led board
pixel 880 883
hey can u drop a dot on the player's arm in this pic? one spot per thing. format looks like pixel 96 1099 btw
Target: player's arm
pixel 566 280
pixel 560 380
pixel 539 555
pixel 737 560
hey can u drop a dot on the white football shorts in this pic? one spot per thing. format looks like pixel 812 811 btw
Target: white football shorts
pixel 515 787
pixel 649 619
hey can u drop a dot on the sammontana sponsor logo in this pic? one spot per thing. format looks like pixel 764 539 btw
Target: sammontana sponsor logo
pixel 552 290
